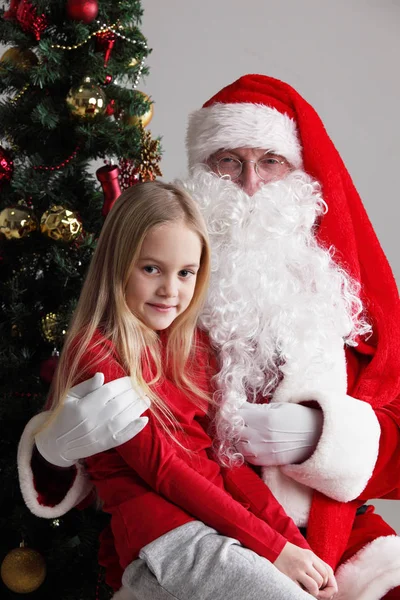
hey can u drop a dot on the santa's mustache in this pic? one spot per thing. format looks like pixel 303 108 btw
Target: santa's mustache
pixel 277 209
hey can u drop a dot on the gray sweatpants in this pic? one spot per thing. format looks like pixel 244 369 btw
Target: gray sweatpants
pixel 194 562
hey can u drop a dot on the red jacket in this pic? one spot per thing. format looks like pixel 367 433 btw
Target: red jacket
pixel 150 485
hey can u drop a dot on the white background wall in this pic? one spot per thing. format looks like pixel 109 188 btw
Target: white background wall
pixel 342 56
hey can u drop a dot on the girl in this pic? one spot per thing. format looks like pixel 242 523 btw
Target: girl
pixel 183 527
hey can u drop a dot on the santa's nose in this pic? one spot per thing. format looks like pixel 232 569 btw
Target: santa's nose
pixel 249 181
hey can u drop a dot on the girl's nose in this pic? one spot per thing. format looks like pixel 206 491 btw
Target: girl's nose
pixel 169 287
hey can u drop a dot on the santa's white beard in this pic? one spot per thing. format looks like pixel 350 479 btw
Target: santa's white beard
pixel 276 296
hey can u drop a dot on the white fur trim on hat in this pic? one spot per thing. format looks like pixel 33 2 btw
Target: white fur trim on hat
pixel 372 572
pixel 241 125
pixel 345 457
pixel 77 492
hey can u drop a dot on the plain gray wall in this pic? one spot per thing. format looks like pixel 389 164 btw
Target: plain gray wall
pixel 342 56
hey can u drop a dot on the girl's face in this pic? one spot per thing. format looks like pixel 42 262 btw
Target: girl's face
pixel 162 282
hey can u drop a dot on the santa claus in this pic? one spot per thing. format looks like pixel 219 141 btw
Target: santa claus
pixel 303 312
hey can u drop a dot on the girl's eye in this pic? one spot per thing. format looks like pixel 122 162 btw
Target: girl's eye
pixel 185 273
pixel 150 269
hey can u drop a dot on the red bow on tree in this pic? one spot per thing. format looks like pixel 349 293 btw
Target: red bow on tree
pixel 25 14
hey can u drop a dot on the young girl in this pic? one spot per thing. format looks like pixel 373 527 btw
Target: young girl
pixel 183 527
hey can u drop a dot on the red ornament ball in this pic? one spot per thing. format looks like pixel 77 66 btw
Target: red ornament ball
pixel 6 166
pixel 48 368
pixel 82 10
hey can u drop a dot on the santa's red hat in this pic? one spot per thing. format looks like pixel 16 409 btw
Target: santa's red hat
pixel 261 112
pixel 246 114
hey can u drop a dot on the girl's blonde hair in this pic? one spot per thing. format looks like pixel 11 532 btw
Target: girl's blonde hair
pixel 102 305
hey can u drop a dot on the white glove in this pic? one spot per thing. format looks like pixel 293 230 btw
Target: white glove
pixel 279 433
pixel 94 418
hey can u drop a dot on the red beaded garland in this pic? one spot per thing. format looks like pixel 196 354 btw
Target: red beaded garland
pixel 60 166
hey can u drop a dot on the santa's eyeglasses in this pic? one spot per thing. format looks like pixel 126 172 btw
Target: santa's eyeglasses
pixel 267 167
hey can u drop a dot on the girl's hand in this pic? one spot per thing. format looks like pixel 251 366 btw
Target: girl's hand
pixel 308 571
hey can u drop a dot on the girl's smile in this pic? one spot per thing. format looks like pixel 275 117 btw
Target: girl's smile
pixel 161 307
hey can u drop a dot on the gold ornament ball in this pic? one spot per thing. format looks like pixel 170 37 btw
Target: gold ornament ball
pixel 60 224
pixel 23 570
pixel 24 59
pixel 15 332
pixel 17 222
pixel 143 119
pixel 51 328
pixel 87 100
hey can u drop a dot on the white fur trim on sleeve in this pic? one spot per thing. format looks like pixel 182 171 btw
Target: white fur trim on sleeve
pixel 295 498
pixel 242 125
pixel 372 572
pixel 78 491
pixel 345 456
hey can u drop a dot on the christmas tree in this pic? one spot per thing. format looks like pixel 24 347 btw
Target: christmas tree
pixel 68 80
